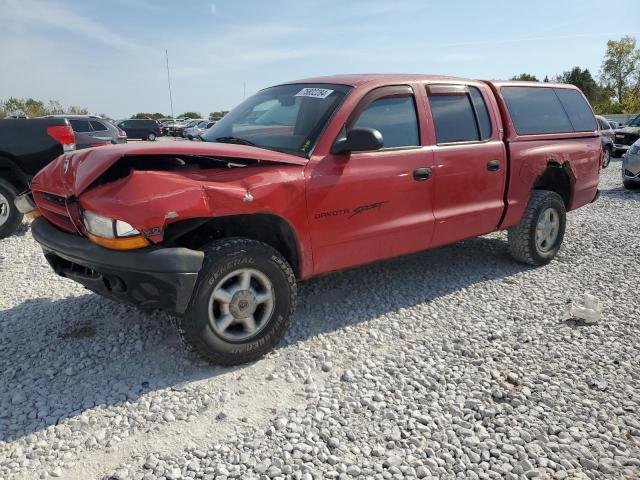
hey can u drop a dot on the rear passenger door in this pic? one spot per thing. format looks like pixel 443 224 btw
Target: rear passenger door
pixel 82 131
pixel 101 133
pixel 470 162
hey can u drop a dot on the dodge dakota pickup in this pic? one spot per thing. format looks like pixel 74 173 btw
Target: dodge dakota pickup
pixel 307 178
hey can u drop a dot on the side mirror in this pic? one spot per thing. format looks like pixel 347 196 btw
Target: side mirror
pixel 358 140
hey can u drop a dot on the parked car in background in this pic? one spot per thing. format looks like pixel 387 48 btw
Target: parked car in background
pixel 626 136
pixel 164 123
pixel 172 128
pixel 332 173
pixel 607 134
pixel 141 129
pixel 92 131
pixel 631 166
pixel 26 146
pixel 197 129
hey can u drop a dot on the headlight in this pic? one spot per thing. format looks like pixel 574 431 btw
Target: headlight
pixel 107 227
pixel 111 233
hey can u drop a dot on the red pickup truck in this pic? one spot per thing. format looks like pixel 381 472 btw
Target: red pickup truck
pixel 307 178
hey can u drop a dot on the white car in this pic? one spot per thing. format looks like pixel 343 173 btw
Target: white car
pixel 193 132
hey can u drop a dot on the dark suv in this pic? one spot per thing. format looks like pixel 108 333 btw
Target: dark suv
pixel 626 136
pixel 141 129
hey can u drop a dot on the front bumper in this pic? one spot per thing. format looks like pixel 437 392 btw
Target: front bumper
pixel 152 277
pixel 621 148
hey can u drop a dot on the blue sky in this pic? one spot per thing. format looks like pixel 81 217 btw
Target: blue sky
pixel 108 55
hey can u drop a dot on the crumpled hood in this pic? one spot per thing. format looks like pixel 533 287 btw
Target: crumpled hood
pixel 72 173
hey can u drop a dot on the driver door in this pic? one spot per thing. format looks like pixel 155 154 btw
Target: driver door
pixel 366 206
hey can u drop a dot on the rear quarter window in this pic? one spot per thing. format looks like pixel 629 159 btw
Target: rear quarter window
pixel 579 111
pixel 540 110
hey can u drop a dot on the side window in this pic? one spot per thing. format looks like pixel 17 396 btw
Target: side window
pixel 395 118
pixel 579 111
pixel 479 105
pixel 454 118
pixel 97 126
pixel 536 110
pixel 81 126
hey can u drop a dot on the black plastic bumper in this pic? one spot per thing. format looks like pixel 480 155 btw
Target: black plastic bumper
pixel 153 277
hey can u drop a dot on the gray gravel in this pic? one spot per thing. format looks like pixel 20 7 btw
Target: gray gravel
pixel 452 363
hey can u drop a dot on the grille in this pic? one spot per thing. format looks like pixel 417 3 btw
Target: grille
pixel 54 209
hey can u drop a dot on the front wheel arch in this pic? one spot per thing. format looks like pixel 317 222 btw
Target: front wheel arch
pixel 268 228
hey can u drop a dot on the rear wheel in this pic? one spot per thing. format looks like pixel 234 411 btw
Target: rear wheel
pixel 607 157
pixel 242 304
pixel 151 136
pixel 538 237
pixel 10 217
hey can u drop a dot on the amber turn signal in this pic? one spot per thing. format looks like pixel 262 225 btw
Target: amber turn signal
pixel 125 243
pixel 33 214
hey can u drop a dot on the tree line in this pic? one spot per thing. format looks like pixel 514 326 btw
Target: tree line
pixel 617 89
pixel 31 107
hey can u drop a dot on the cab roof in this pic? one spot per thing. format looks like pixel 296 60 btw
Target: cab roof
pixel 357 79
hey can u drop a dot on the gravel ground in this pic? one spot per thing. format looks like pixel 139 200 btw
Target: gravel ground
pixel 452 363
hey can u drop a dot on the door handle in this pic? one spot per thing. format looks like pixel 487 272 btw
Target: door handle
pixel 493 165
pixel 423 173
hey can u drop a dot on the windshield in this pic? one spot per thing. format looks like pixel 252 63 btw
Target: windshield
pixel 635 122
pixel 286 118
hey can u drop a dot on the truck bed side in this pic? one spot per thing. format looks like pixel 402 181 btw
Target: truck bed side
pixel 568 163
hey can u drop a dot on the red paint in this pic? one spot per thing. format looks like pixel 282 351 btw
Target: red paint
pixel 322 198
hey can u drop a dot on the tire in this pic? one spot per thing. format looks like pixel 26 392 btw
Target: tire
pixel 201 327
pixel 627 184
pixel 10 217
pixel 607 157
pixel 523 244
pixel 151 137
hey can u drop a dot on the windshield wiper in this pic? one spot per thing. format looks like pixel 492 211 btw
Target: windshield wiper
pixel 236 140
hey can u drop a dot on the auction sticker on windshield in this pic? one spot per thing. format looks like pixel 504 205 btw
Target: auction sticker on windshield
pixel 314 92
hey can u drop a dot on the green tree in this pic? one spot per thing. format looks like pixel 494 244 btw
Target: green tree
pixel 596 94
pixel 218 115
pixel 191 115
pixel 54 107
pixel 75 110
pixel 526 77
pixel 621 69
pixel 152 116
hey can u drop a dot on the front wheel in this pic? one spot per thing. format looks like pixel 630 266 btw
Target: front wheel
pixel 538 237
pixel 10 217
pixel 151 137
pixel 242 303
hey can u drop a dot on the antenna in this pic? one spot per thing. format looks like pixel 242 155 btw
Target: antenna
pixel 166 52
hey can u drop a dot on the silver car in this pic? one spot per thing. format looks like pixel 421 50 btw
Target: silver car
pixel 194 131
pixel 631 166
